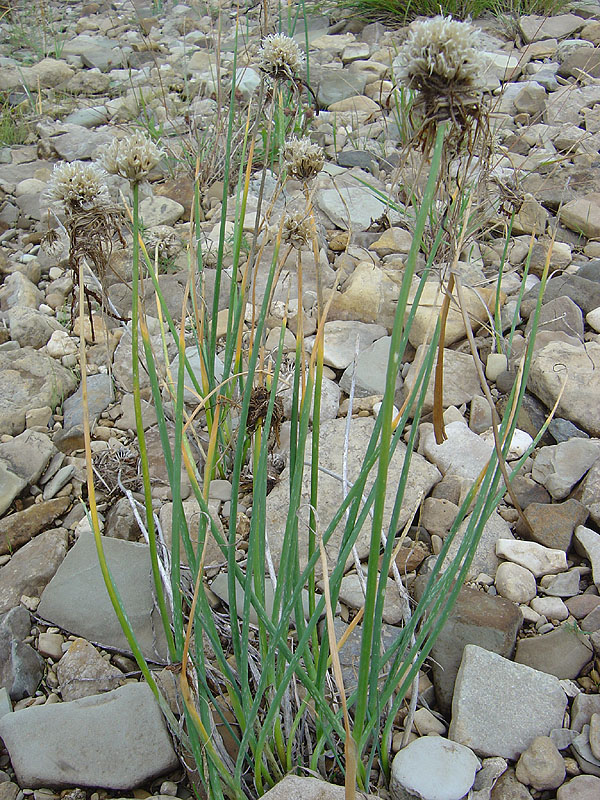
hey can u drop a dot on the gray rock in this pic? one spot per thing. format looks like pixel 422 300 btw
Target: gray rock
pixel 160 211
pixel 340 341
pixel 80 143
pixel 29 379
pixel 95 51
pixel 86 82
pixel 461 382
pixel 500 707
pixel 121 522
pixel 433 768
pixel 584 706
pixel 565 584
pixel 31 567
pixel 583 753
pixel 582 787
pixel 553 523
pixel 117 740
pixel 352 595
pixel 100 393
pixel 560 314
pixel 294 788
pixel 338 84
pixel 76 599
pixel 31 328
pixel 541 765
pixel 350 653
pixel 535 557
pixel 21 668
pixel 371 366
pixel 28 455
pixel 515 583
pixel 590 541
pixel 562 430
pixel 562 652
pixel 421 477
pixel 590 496
pixel 56 482
pixel 357 208
pixel 583 291
pixel 127 419
pixel 535 28
pixel 595 735
pixel 82 672
pixel 464 453
pixel 559 467
pixel 17 290
pixel 11 486
pixel 485 559
pixel 18 528
pixel 477 618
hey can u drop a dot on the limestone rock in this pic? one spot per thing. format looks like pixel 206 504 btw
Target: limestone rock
pixel 83 672
pixel 31 567
pixel 541 765
pixel 433 768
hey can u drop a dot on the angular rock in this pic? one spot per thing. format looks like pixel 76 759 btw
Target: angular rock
pixel 18 528
pixel 421 477
pixel 559 467
pixel 31 328
pixel 83 672
pixel 500 707
pixel 100 393
pixel 371 366
pixel 485 559
pixel 535 557
pixel 463 453
pixel 433 768
pixel 561 26
pixel 118 740
pixel 357 207
pixel 31 567
pixel 476 618
pixel 562 652
pixel 29 379
pixel 21 668
pixel 590 496
pixel 293 787
pixel 461 382
pixel 590 541
pixel 11 486
pixel 28 454
pixel 160 211
pixel 76 599
pixel 553 524
pixel 340 341
pixel 369 295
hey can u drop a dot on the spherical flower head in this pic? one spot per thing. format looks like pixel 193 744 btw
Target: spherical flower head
pixel 165 239
pixel 297 229
pixel 78 186
pixel 133 157
pixel 302 158
pixel 441 50
pixel 280 57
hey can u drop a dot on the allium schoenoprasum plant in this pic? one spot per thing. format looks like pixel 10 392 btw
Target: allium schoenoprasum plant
pixel 259 685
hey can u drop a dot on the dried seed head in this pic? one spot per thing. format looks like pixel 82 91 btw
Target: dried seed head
pixel 165 238
pixel 132 157
pixel 297 230
pixel 52 244
pixel 280 57
pixel 441 51
pixel 302 158
pixel 78 186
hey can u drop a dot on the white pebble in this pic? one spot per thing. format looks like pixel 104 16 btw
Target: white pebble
pixel 593 319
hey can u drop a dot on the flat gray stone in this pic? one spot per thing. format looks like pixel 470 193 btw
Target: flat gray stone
pixel 500 707
pixel 21 668
pixel 95 51
pixel 340 341
pixel 463 453
pixel 116 740
pixel 562 652
pixel 559 467
pixel 31 328
pixel 357 210
pixel 421 478
pixel 160 211
pixel 100 395
pixel 590 541
pixel 77 600
pixel 28 454
pixel 30 379
pixel 590 497
pixel 31 567
pixel 83 672
pixel 11 485
pixel 371 367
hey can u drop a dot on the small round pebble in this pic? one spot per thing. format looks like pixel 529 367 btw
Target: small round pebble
pixel 515 583
pixel 433 768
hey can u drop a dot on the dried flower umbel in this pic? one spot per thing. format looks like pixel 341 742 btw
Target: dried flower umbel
pixel 133 157
pixel 303 159
pixel 78 186
pixel 297 230
pixel 280 57
pixel 441 62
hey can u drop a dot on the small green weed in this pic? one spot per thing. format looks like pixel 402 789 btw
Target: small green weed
pixel 13 128
pixel 406 10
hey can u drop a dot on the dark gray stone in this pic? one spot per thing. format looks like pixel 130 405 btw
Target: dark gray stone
pixel 21 667
pixel 116 740
pixel 583 292
pixel 100 393
pixel 31 567
pixel 77 600
pixel 562 652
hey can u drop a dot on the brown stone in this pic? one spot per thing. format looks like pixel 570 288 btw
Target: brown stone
pixel 553 524
pixel 182 191
pixel 17 529
pixel 582 604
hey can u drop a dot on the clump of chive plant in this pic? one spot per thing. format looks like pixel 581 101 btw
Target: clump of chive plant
pixel 440 61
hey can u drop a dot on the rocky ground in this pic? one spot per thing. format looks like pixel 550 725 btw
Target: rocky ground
pixel 513 682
